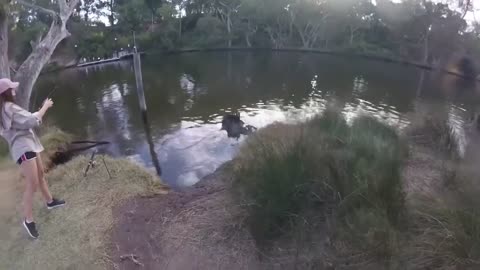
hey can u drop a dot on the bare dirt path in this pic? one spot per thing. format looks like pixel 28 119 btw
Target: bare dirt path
pixel 187 230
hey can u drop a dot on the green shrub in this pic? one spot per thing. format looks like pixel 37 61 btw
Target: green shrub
pixel 55 139
pixel 368 231
pixel 288 173
pixel 209 32
pixel 371 164
pixel 366 174
pixel 329 128
pixel 272 180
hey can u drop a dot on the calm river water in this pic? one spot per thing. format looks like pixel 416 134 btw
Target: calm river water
pixel 188 94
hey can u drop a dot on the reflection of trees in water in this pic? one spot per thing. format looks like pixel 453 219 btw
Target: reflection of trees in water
pixel 236 80
pixel 200 86
pixel 95 103
pixel 151 144
pixel 232 80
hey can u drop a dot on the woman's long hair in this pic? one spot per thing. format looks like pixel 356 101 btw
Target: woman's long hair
pixel 5 97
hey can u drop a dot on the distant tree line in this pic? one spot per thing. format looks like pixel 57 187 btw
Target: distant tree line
pixel 419 30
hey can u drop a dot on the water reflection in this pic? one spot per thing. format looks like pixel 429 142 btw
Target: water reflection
pixel 187 96
pixel 151 144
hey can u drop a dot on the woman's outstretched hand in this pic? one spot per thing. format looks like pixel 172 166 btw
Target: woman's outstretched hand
pixel 48 103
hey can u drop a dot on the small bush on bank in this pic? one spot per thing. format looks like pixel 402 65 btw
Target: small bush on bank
pixel 271 174
pixel 53 139
pixel 373 161
pixel 286 174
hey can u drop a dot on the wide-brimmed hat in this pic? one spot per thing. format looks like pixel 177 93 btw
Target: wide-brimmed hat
pixel 6 84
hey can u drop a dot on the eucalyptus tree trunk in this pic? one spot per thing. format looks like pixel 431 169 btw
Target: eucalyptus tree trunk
pixel 247 40
pixel 229 28
pixel 226 15
pixel 180 28
pixel 42 49
pixel 352 35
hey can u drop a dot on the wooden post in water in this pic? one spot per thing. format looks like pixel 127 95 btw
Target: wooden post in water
pixel 137 64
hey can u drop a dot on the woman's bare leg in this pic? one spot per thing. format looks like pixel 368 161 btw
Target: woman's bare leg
pixel 42 182
pixel 30 172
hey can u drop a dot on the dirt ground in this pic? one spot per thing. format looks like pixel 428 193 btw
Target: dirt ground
pixel 423 173
pixel 183 230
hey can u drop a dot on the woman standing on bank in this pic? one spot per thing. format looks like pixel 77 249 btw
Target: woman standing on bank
pixel 16 126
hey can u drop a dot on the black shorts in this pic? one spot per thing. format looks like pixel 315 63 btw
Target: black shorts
pixel 27 156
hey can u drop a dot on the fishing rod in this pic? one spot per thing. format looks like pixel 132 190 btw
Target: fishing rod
pixel 61 157
pixel 93 144
pixel 36 95
pixel 96 143
pixel 51 92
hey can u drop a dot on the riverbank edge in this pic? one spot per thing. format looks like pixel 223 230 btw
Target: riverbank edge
pixel 201 220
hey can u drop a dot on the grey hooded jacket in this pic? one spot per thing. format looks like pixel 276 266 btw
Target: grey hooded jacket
pixel 16 126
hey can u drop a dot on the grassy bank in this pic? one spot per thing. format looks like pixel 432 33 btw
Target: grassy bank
pixel 75 237
pixel 346 185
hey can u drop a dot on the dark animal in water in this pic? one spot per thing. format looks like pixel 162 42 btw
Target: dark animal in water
pixel 235 127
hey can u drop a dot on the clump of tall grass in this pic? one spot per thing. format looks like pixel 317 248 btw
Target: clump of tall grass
pixel 53 140
pixel 272 179
pixel 444 238
pixel 447 235
pixel 290 174
pixel 367 169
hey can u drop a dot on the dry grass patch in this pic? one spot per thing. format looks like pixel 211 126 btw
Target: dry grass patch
pixel 75 236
